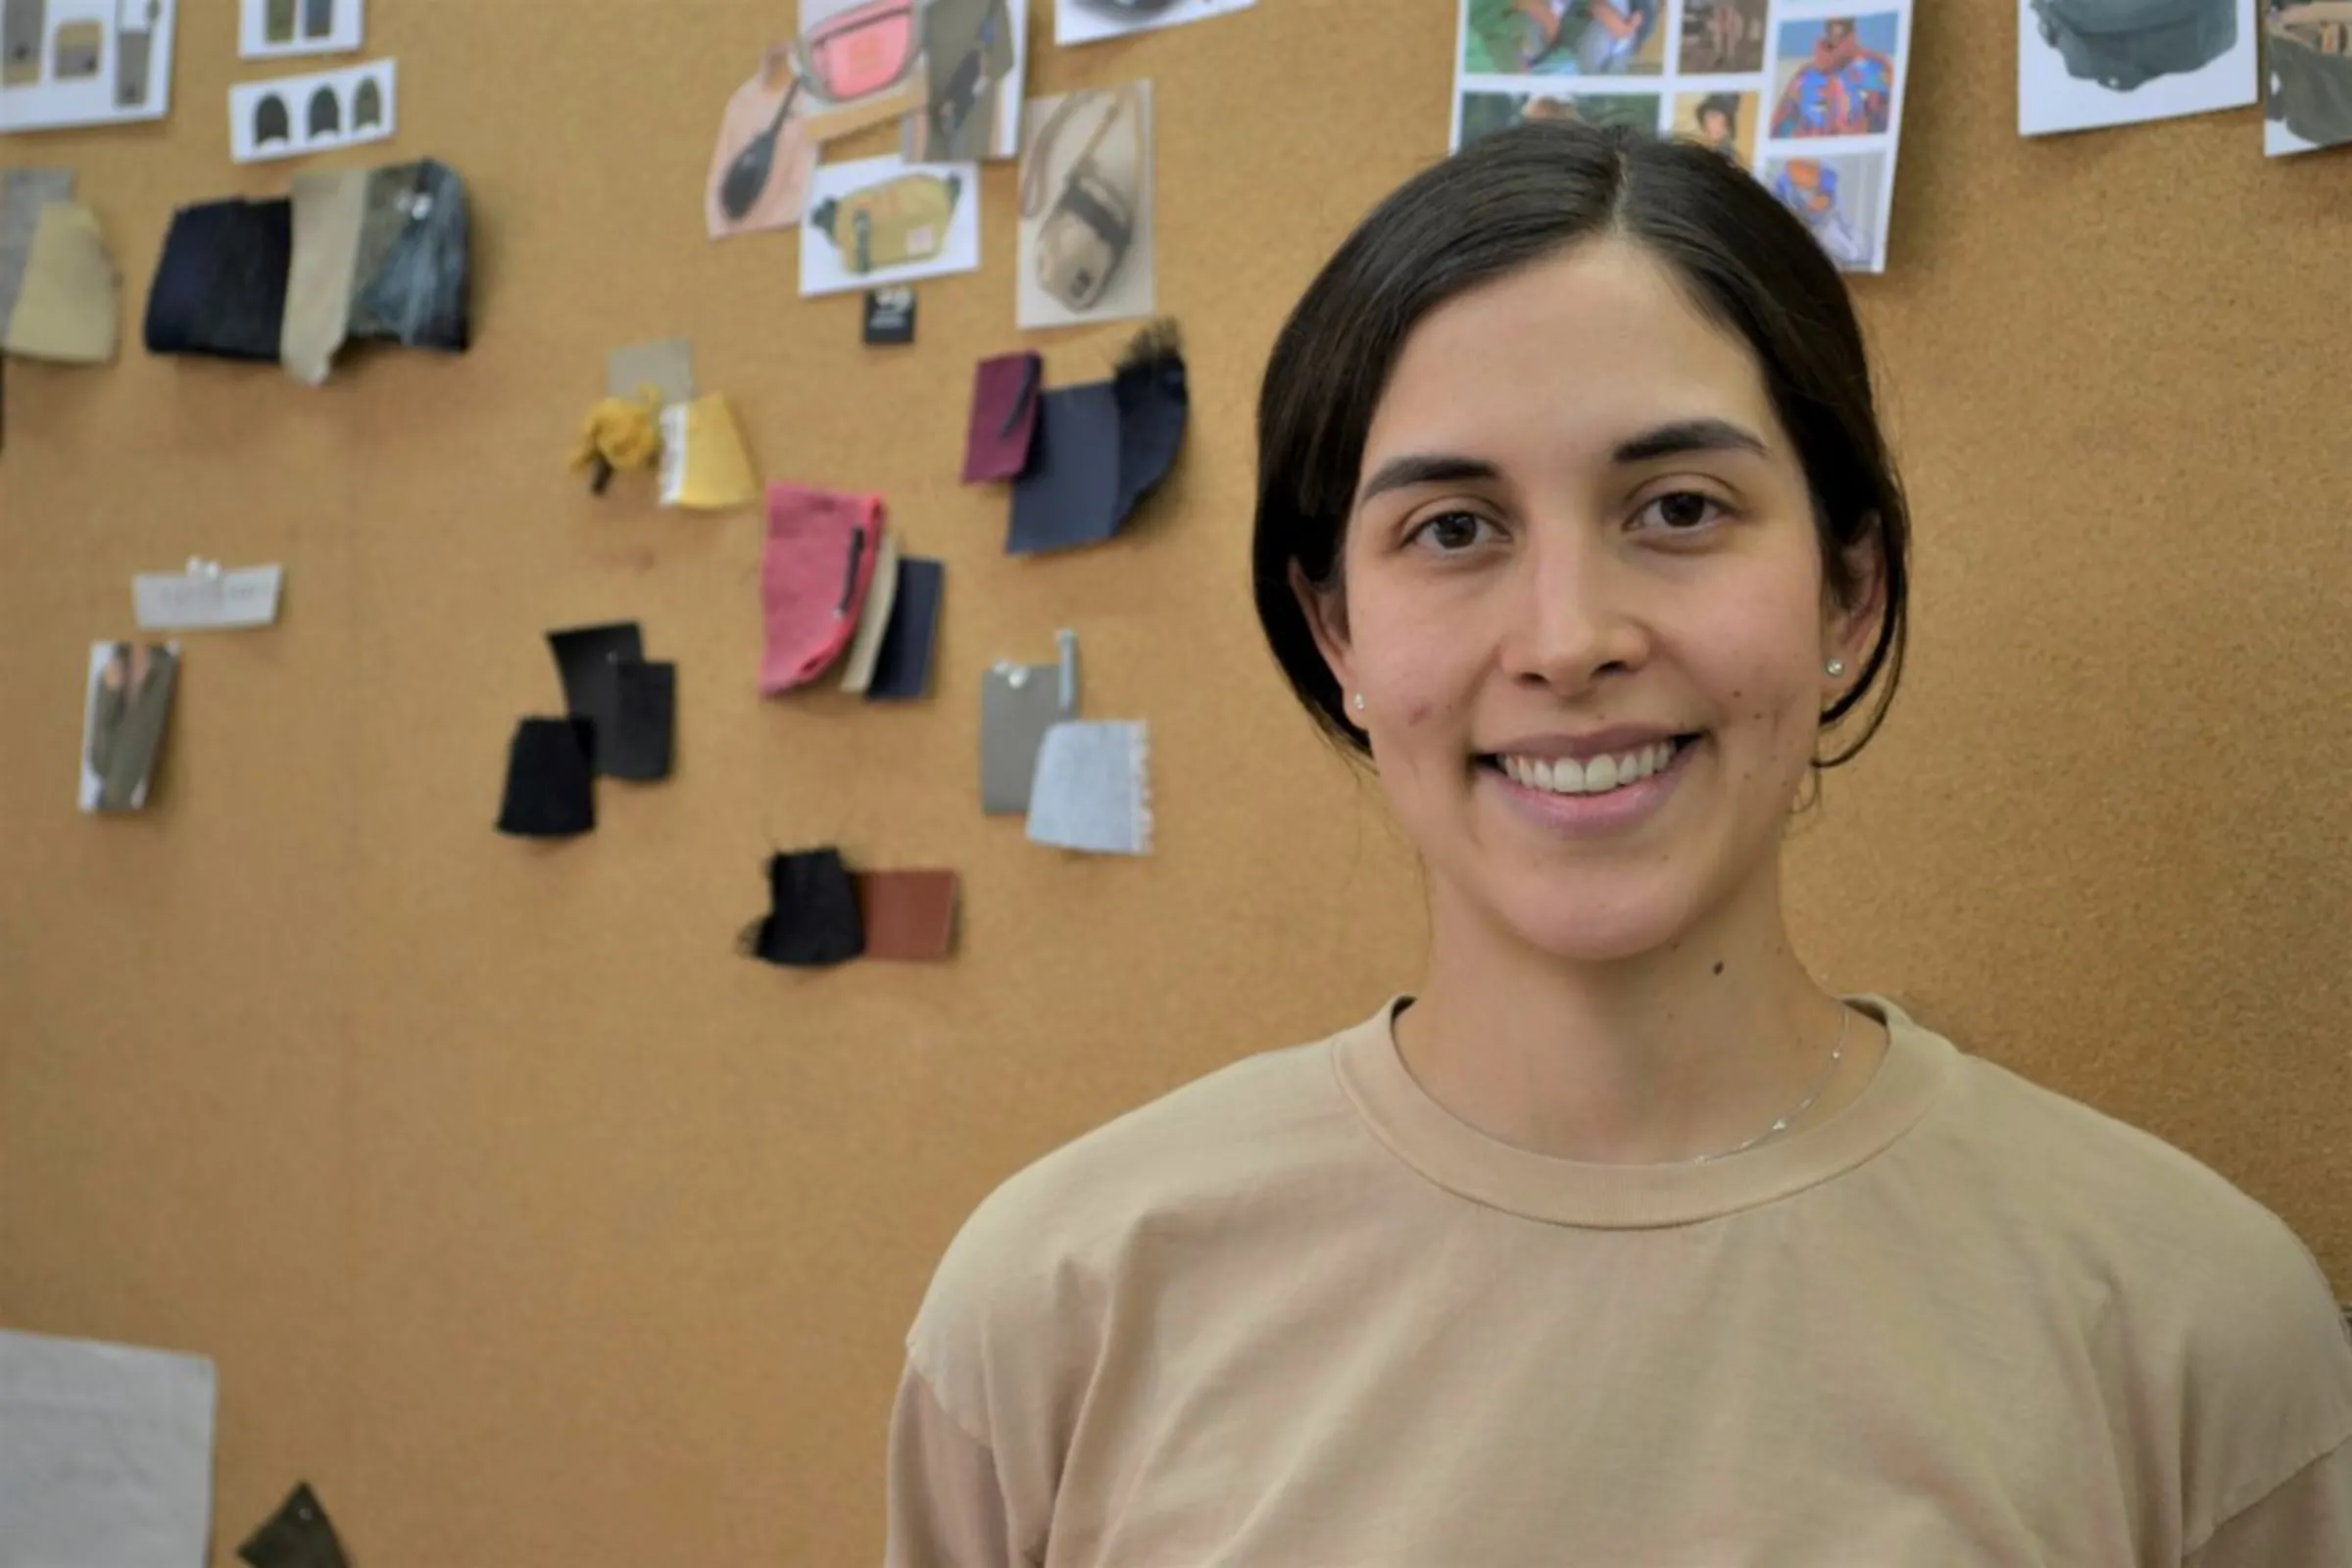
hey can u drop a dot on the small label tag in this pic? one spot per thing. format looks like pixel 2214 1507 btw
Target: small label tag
pixel 201 598
pixel 672 480
pixel 890 316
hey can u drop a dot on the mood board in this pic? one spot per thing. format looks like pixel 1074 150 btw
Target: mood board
pixel 533 1221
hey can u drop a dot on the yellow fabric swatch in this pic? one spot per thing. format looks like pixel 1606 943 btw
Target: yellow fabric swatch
pixel 71 304
pixel 704 462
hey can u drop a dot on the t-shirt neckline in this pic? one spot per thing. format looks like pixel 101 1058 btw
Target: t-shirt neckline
pixel 1471 1164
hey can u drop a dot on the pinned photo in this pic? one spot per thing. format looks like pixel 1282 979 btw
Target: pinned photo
pixel 882 221
pixel 1086 208
pixel 2084 63
pixel 2307 76
pixel 973 58
pixel 1723 120
pixel 275 29
pixel 1723 37
pixel 1835 76
pixel 1842 201
pixel 1088 21
pixel 128 698
pixel 860 63
pixel 287 117
pixel 84 62
pixel 1482 114
pixel 761 164
pixel 1563 38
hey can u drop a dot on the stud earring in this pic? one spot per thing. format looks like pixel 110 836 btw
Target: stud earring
pixel 1835 667
pixel 1360 701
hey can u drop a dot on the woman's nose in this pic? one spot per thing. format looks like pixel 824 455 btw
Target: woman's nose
pixel 1571 614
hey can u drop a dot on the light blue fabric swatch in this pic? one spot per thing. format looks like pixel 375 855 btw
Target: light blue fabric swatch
pixel 1093 789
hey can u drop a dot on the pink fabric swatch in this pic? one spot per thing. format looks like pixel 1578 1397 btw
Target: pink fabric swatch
pixel 813 576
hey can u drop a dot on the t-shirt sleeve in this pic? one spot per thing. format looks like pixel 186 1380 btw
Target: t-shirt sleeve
pixel 945 1507
pixel 2306 1522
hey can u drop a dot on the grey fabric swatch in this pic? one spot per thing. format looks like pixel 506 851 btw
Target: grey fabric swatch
pixel 24 192
pixel 1093 790
pixel 1019 703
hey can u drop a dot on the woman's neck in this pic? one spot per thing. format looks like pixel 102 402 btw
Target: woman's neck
pixel 1679 1053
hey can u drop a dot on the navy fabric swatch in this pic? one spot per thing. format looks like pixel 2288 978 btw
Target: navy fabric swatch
pixel 221 286
pixel 550 791
pixel 644 717
pixel 814 918
pixel 1068 496
pixel 903 667
pixel 586 658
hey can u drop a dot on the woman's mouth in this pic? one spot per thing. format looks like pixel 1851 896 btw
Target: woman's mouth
pixel 1597 775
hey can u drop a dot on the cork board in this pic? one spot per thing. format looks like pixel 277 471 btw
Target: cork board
pixel 535 1226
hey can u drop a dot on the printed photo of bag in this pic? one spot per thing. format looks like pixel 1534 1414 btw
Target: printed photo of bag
pixel 864 50
pixel 902 219
pixel 2310 70
pixel 1086 234
pixel 2122 44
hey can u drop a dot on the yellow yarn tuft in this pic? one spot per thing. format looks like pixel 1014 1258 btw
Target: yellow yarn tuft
pixel 621 433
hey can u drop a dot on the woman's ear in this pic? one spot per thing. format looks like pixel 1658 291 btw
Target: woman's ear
pixel 1325 608
pixel 1850 620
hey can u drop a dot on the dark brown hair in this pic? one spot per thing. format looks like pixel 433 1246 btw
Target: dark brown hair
pixel 1517 197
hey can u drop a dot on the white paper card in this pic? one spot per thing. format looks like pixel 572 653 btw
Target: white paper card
pixel 1806 95
pixel 1087 21
pixel 882 221
pixel 106 1454
pixel 274 29
pixel 287 117
pixel 201 597
pixel 2071 78
pixel 84 62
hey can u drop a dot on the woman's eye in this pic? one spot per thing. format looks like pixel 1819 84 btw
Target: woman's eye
pixel 1450 530
pixel 1682 510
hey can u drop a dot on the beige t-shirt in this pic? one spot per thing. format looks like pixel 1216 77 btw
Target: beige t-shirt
pixel 1297 1316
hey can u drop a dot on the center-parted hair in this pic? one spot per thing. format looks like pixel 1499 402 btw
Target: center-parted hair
pixel 1508 201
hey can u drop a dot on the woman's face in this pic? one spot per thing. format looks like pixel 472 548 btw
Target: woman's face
pixel 1582 600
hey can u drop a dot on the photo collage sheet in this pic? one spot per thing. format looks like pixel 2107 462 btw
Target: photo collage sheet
pixel 1808 95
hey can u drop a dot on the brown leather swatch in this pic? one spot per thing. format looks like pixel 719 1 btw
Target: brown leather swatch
pixel 908 916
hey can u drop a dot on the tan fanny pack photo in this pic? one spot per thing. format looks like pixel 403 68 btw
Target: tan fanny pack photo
pixel 1090 227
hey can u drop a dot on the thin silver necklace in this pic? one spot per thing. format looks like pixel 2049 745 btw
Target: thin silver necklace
pixel 1845 1016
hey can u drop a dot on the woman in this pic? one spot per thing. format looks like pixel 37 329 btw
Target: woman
pixel 1620 1241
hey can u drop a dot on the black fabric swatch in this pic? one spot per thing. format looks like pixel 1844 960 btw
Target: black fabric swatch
pixel 298 1536
pixel 644 717
pixel 902 666
pixel 412 278
pixel 1152 398
pixel 812 917
pixel 1069 494
pixel 586 658
pixel 551 789
pixel 221 286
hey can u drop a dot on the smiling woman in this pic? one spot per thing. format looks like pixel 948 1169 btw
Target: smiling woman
pixel 1619 1239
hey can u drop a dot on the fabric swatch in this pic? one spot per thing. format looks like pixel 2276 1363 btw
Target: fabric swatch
pixel 411 277
pixel 23 193
pixel 1003 419
pixel 221 286
pixel 873 619
pixel 1154 399
pixel 902 669
pixel 705 464
pixel 645 705
pixel 1019 703
pixel 298 1536
pixel 328 207
pixel 1094 790
pixel 69 306
pixel 812 917
pixel 551 791
pixel 585 659
pixel 909 916
pixel 1068 496
pixel 667 365
pixel 814 572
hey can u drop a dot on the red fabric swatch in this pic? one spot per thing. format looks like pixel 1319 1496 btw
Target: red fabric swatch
pixel 814 575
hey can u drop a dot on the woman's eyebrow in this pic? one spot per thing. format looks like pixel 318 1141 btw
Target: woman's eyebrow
pixel 1686 436
pixel 1399 473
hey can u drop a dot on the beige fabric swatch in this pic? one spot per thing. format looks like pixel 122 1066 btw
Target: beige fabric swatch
pixel 70 307
pixel 865 646
pixel 328 207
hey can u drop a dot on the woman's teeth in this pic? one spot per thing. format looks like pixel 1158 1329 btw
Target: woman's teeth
pixel 1565 775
